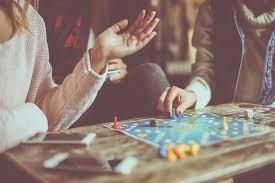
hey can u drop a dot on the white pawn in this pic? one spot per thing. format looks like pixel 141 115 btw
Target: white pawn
pixel 249 114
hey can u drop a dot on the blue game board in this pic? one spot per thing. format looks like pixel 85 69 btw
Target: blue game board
pixel 201 128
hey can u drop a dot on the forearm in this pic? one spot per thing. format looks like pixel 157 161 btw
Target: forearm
pixel 99 60
pixel 19 124
pixel 64 104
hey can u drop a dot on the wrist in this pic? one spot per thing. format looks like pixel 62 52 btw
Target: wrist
pixel 97 59
pixel 195 97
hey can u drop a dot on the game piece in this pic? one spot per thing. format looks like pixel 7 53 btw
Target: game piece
pixel 126 165
pixel 116 125
pixel 153 123
pixel 185 148
pixel 163 151
pixel 174 115
pixel 195 148
pixel 249 114
pixel 176 151
pixel 170 154
pixel 224 124
pixel 180 150
pixel 55 160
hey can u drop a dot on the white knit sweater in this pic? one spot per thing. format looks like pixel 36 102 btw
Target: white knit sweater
pixel 30 102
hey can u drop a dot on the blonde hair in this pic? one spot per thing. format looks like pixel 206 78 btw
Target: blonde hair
pixel 16 14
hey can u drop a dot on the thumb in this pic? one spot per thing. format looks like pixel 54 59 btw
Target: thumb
pixel 119 26
pixel 183 106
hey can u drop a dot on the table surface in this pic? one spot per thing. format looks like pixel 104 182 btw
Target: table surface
pixel 213 163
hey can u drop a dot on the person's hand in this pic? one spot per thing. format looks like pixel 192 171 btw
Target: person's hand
pixel 174 97
pixel 114 43
pixel 117 64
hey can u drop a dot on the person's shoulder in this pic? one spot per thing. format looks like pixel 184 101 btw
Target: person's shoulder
pixel 35 21
pixel 205 14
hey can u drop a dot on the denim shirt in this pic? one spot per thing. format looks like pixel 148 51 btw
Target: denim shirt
pixel 267 93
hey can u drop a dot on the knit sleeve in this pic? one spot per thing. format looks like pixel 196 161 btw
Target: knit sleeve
pixel 20 123
pixel 64 104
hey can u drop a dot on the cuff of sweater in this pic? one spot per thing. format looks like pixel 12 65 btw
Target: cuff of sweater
pixel 89 69
pixel 202 90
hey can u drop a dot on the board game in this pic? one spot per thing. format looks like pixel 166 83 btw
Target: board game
pixel 200 128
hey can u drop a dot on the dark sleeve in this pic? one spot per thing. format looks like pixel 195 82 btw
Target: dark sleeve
pixel 203 42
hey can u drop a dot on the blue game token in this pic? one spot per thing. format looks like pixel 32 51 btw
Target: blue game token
pixel 163 151
pixel 174 115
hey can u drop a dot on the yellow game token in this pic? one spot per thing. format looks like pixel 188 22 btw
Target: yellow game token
pixel 195 148
pixel 224 124
pixel 180 150
pixel 170 154
pixel 187 149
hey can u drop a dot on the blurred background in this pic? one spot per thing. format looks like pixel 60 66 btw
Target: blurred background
pixel 73 24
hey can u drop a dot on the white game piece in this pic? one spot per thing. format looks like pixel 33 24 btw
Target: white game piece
pixel 89 138
pixel 126 166
pixel 249 114
pixel 55 160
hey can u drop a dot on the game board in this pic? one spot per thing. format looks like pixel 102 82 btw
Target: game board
pixel 200 128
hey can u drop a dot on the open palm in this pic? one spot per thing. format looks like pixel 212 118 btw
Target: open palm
pixel 118 44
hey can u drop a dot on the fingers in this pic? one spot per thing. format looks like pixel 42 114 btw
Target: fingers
pixel 146 40
pixel 147 25
pixel 115 61
pixel 138 21
pixel 149 29
pixel 147 20
pixel 189 101
pixel 160 106
pixel 117 77
pixel 170 98
pixel 119 26
pixel 182 107
pixel 178 98
pixel 117 66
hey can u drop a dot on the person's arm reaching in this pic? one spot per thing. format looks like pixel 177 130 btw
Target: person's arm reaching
pixel 20 123
pixel 199 91
pixel 203 68
pixel 202 82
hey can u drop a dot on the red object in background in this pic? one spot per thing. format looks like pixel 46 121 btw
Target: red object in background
pixel 58 23
pixel 68 29
pixel 73 40
pixel 78 21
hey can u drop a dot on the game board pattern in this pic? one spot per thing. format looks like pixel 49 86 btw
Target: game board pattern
pixel 201 128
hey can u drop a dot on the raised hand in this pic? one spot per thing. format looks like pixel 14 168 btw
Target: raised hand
pixel 117 42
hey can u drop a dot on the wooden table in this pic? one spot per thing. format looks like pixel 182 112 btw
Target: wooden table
pixel 213 163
